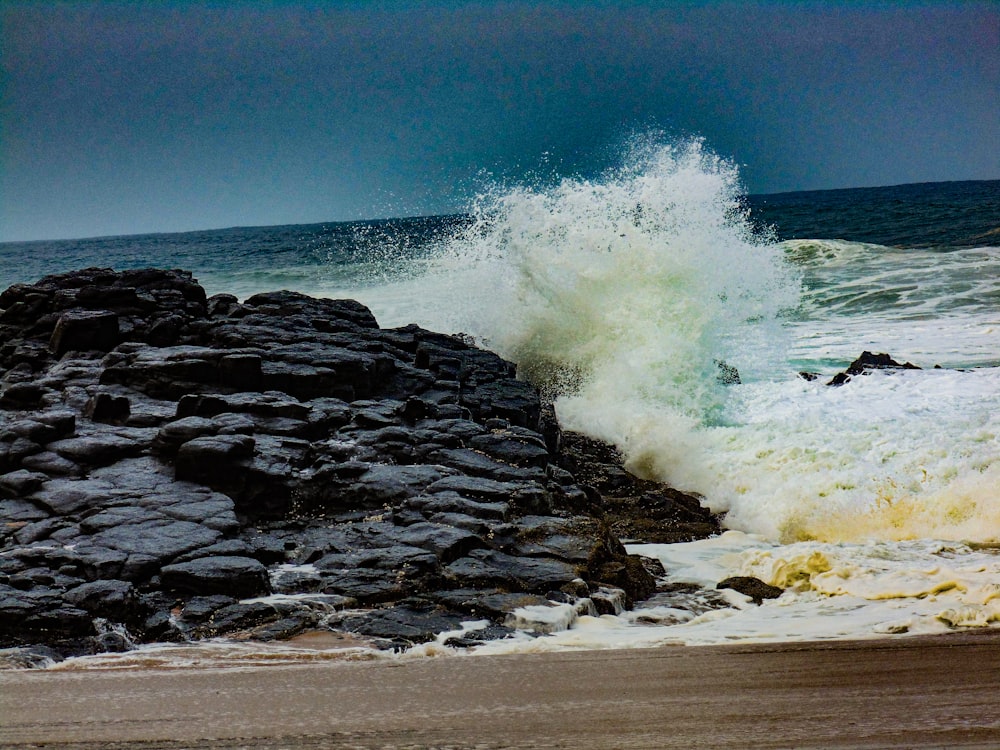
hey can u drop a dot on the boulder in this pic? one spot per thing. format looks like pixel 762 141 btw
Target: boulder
pixel 85 330
pixel 236 576
pixel 755 588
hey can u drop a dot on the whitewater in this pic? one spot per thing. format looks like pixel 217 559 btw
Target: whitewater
pixel 874 504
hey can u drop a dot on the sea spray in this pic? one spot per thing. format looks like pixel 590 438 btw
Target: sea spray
pixel 623 295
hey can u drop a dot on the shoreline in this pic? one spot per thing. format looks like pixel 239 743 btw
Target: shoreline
pixel 919 691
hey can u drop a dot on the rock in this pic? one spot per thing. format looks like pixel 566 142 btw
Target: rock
pixel 636 509
pixel 111 599
pixel 755 588
pixel 20 483
pixel 411 622
pixel 868 362
pixel 483 568
pixel 727 375
pixel 216 461
pixel 446 542
pixel 105 407
pixel 99 449
pixel 84 330
pixel 237 576
pixel 206 450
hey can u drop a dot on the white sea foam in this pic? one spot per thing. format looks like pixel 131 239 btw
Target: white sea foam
pixel 624 292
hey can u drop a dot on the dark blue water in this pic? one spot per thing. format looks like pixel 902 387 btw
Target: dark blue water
pixel 313 257
pixel 927 214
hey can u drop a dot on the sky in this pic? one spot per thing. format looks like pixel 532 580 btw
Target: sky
pixel 134 117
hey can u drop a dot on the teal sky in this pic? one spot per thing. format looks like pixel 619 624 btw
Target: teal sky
pixel 129 117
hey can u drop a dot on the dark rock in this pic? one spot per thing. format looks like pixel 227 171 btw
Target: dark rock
pixel 493 604
pixel 636 509
pixel 446 542
pixel 868 362
pixel 728 375
pixel 114 600
pixel 84 330
pixel 105 407
pixel 200 608
pixel 412 622
pixel 19 484
pixel 367 585
pixel 215 461
pixel 485 568
pixel 22 396
pixel 237 576
pixel 478 637
pixel 237 616
pixel 99 449
pixel 218 453
pixel 755 588
pixel 609 601
pixel 451 502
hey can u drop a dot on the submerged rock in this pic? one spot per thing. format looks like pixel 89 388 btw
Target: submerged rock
pixel 868 362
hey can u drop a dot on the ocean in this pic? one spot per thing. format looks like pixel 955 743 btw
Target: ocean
pixel 876 503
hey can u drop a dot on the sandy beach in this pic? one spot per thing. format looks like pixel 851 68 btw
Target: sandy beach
pixel 906 693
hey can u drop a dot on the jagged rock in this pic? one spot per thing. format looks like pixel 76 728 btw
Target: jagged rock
pixel 208 448
pixel 868 362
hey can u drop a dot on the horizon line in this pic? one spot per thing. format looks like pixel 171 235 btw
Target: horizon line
pixel 417 217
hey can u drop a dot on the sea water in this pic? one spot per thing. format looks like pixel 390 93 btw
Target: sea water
pixel 874 504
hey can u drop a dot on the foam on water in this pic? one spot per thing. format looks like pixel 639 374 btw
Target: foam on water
pixel 624 293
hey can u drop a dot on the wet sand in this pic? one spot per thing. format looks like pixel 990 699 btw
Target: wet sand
pixel 914 693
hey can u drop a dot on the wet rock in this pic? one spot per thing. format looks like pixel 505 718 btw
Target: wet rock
pixel 727 375
pixel 636 509
pixel 209 450
pixel 238 576
pixel 446 542
pixel 236 617
pixel 484 568
pixel 84 330
pixel 868 362
pixel 489 603
pixel 111 599
pixel 755 588
pixel 411 622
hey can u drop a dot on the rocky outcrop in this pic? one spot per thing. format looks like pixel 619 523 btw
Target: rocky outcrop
pixel 635 509
pixel 172 464
pixel 868 362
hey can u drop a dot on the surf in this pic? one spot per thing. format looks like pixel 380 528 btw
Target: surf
pixel 621 296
